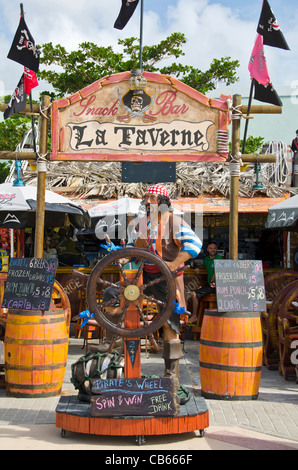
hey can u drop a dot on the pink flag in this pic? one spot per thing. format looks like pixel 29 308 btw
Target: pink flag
pixel 30 80
pixel 257 64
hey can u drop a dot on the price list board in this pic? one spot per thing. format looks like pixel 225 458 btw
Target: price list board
pixel 239 286
pixel 29 283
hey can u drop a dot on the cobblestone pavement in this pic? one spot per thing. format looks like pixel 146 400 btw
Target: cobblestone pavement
pixel 274 413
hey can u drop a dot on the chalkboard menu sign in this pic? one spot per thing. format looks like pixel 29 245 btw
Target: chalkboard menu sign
pixel 134 397
pixel 239 286
pixel 29 283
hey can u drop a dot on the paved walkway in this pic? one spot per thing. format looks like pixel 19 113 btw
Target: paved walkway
pixel 271 422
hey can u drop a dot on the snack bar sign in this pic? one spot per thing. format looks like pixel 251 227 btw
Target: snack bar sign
pixel 111 121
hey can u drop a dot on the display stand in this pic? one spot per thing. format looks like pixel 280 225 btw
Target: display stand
pixel 74 415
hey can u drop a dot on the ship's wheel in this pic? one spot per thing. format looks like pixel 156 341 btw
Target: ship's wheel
pixel 131 291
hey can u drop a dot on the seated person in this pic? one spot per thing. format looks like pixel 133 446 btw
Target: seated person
pixel 209 288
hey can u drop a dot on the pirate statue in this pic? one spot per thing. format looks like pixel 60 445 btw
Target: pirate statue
pixel 175 242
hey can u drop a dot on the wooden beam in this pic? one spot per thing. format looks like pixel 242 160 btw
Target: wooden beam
pixel 27 110
pixel 9 155
pixel 262 158
pixel 261 109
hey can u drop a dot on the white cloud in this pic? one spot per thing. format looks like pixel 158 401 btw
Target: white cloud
pixel 212 30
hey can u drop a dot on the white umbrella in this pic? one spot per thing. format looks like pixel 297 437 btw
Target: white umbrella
pixel 110 217
pixel 284 215
pixel 122 206
pixel 18 208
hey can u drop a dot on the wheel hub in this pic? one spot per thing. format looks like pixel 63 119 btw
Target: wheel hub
pixel 132 292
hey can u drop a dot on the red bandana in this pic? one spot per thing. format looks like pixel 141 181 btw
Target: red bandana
pixel 157 189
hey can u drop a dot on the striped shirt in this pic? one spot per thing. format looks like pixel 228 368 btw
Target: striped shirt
pixel 171 236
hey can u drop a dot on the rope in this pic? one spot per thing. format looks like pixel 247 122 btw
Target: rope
pixel 234 168
pixel 277 172
pixel 234 164
pixel 222 141
pixel 85 362
pixel 41 163
pixel 44 109
pixel 237 113
pixel 41 159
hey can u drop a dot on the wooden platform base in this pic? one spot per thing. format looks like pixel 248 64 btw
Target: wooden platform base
pixel 73 415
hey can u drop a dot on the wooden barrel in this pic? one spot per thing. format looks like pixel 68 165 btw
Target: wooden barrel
pixel 36 347
pixel 231 355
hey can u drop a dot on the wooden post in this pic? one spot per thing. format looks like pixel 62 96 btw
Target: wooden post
pixel 234 182
pixel 41 179
pixel 132 346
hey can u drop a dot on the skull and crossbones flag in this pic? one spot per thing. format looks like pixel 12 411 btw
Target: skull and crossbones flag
pixel 266 94
pixel 17 101
pixel 23 49
pixel 127 10
pixel 30 80
pixel 269 28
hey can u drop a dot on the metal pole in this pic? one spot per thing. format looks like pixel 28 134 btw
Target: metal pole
pixel 141 35
pixel 30 99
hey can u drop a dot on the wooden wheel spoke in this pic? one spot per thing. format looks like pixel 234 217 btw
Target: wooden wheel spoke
pixel 121 319
pixel 153 299
pixel 106 283
pixel 140 271
pixel 123 274
pixel 142 316
pixel 152 283
pixel 109 303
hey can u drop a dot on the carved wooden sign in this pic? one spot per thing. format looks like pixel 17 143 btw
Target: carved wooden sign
pixel 164 120
pixel 134 397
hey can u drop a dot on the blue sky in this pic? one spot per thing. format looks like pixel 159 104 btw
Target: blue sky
pixel 214 29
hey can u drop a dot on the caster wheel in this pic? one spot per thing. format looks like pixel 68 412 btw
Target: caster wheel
pixel 140 440
pixel 63 433
pixel 202 432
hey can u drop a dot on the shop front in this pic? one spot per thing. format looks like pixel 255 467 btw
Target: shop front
pixel 274 248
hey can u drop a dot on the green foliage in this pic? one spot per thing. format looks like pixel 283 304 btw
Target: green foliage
pixel 91 62
pixel 4 170
pixel 253 145
pixel 69 72
pixel 12 131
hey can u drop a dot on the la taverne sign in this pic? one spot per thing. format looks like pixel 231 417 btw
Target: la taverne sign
pixel 162 119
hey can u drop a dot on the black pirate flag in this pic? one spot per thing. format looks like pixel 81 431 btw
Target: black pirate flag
pixel 23 49
pixel 17 101
pixel 269 28
pixel 266 94
pixel 127 10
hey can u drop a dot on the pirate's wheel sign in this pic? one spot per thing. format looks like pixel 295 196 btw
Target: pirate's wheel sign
pixel 148 118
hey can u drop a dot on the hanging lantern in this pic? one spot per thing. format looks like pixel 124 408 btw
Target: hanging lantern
pixel 258 185
pixel 19 173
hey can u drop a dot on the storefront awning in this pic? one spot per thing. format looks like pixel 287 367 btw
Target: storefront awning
pixel 209 204
pixel 217 205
